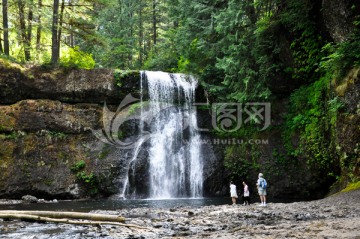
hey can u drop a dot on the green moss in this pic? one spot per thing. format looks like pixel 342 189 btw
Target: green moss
pixel 58 135
pixel 48 182
pixel 135 107
pixel 9 63
pixel 7 122
pixel 119 75
pixel 6 157
pixel 342 87
pixel 351 187
pixel 78 166
pixel 106 150
pixel 13 135
pixel 62 155
pixel 89 180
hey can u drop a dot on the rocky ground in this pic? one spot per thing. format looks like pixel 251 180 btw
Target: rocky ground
pixel 337 216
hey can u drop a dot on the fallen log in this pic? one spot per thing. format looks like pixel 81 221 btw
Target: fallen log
pixel 72 215
pixel 65 220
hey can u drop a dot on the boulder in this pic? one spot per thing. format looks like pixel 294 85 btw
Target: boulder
pixel 29 199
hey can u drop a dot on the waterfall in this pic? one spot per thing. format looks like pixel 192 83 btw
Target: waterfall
pixel 174 145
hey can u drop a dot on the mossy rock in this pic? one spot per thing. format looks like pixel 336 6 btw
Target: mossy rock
pixel 351 187
pixel 125 75
pixel 6 156
pixel 7 122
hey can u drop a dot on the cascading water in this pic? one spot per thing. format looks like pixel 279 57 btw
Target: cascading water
pixel 174 153
pixel 173 144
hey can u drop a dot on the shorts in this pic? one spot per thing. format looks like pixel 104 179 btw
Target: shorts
pixel 262 192
pixel 233 195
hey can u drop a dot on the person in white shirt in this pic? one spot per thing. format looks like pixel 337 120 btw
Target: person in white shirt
pixel 233 192
pixel 246 197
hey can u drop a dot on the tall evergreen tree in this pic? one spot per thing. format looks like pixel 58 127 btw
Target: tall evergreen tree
pixel 5 26
pixel 55 45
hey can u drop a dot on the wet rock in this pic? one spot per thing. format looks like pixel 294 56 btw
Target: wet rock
pixel 29 199
pixel 157 225
pixel 339 16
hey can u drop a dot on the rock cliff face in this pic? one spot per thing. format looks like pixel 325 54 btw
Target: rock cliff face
pixel 347 132
pixel 338 17
pixel 47 146
pixel 72 86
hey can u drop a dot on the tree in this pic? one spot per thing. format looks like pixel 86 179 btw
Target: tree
pixel 154 21
pixel 5 26
pixel 39 28
pixel 55 45
pixel 25 33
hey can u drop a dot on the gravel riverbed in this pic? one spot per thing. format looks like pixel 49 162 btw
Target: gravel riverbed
pixel 337 216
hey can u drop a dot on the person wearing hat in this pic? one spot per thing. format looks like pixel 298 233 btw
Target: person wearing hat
pixel 261 185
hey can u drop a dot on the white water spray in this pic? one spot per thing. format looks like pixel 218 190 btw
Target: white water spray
pixel 175 160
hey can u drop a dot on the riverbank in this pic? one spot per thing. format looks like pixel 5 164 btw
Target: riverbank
pixel 337 216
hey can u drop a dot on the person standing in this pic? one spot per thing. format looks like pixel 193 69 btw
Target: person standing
pixel 261 185
pixel 246 197
pixel 233 192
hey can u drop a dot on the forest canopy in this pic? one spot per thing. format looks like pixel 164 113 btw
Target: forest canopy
pixel 237 48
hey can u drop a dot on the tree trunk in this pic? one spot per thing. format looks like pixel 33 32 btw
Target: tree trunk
pixel 154 22
pixel 65 220
pixel 39 28
pixel 6 27
pixel 55 46
pixel 72 40
pixel 250 11
pixel 64 217
pixel 130 35
pixel 29 28
pixel 60 24
pixel 23 35
pixel 73 215
pixel 141 35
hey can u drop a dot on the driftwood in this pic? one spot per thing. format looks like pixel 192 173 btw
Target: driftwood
pixel 64 217
pixel 72 215
pixel 65 220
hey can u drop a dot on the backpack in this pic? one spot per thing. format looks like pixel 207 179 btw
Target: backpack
pixel 263 183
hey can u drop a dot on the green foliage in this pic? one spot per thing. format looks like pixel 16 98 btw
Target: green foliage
pixel 340 58
pixel 14 135
pixel 119 75
pixel 307 41
pixel 30 28
pixel 236 162
pixel 163 56
pixel 279 157
pixel 308 120
pixel 56 134
pixel 75 58
pixel 88 179
pixel 334 104
pixel 78 166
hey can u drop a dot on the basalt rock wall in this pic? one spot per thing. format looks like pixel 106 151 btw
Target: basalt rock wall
pixel 48 122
